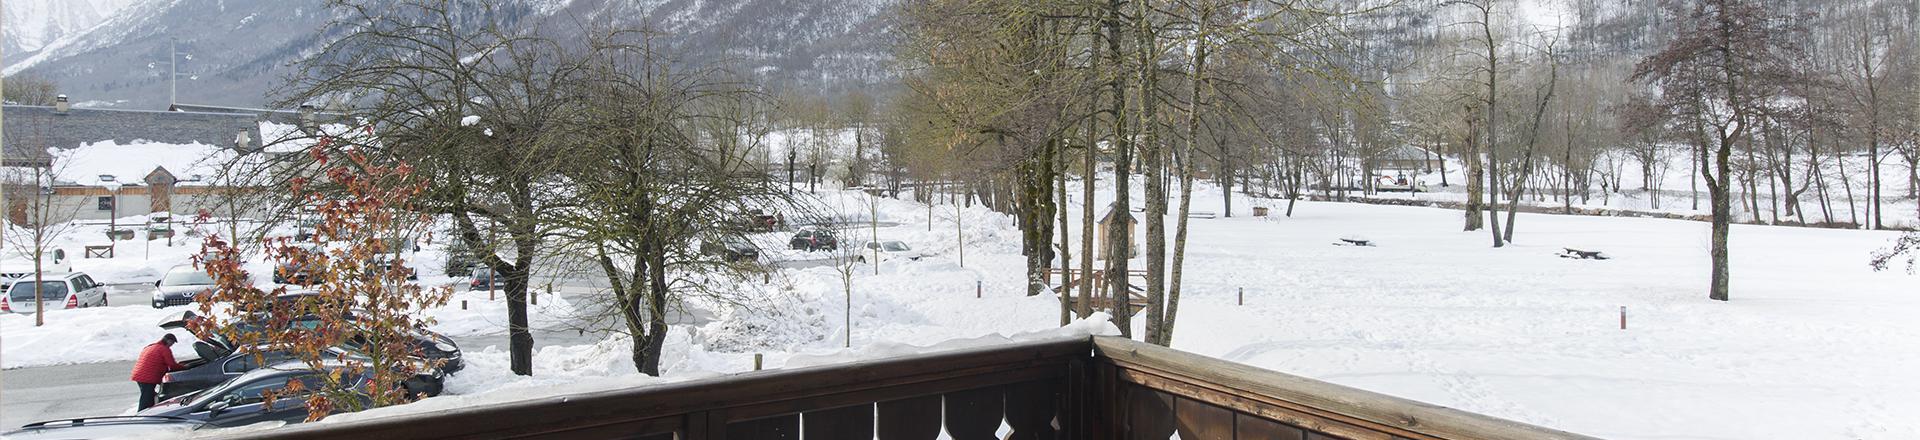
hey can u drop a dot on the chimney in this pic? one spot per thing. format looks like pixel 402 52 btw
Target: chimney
pixel 306 114
pixel 60 105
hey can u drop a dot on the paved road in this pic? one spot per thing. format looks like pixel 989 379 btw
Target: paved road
pixel 30 395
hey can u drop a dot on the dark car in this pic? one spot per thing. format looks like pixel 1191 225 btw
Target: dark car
pixel 218 360
pixel 296 270
pixel 182 285
pixel 242 400
pixel 106 427
pixel 731 249
pixel 813 240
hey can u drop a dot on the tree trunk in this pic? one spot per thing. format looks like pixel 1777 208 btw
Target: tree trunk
pixel 1152 158
pixel 1476 177
pixel 1119 241
pixel 1722 211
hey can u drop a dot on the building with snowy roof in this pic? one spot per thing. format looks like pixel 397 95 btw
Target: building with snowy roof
pixel 102 162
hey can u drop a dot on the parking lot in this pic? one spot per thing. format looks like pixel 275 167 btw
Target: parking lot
pixel 35 394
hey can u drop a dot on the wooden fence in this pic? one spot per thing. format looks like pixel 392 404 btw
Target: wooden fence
pixel 1075 388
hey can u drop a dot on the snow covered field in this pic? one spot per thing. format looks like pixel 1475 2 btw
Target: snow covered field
pixel 1813 345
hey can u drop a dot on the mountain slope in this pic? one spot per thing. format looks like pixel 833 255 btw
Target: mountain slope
pixel 33 24
pixel 240 50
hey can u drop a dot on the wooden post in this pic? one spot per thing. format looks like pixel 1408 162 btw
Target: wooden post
pixel 1241 298
pixel 977 290
pixel 1623 317
pixel 463 304
pixel 756 362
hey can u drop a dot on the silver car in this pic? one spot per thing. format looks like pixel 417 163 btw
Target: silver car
pixel 57 291
pixel 182 285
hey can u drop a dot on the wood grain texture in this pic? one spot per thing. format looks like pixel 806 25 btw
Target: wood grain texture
pixel 1032 409
pixel 909 419
pixel 1200 421
pixel 845 423
pixel 975 414
pixel 1246 427
pixel 772 428
pixel 1149 414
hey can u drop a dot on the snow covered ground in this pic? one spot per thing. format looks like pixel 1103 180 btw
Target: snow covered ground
pixel 1813 345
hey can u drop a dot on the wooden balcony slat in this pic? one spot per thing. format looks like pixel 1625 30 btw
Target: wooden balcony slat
pixel 785 427
pixel 1195 420
pixel 975 414
pixel 915 418
pixel 844 423
pixel 1250 427
pixel 1149 413
pixel 1288 412
pixel 1032 408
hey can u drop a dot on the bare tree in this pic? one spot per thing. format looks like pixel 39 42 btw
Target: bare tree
pixel 1719 77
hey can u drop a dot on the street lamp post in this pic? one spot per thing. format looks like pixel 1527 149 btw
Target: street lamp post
pixel 113 212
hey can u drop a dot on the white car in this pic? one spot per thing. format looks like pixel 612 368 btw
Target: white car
pixel 57 291
pixel 889 250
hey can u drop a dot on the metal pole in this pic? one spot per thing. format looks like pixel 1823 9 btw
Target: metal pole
pixel 173 72
pixel 113 218
pixel 3 195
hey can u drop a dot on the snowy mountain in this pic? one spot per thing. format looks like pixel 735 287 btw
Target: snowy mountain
pixel 33 24
pixel 235 52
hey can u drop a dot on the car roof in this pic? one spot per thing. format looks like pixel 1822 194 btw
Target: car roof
pixel 107 426
pixel 49 277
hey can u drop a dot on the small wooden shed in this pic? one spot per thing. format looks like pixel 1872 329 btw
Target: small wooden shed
pixel 1115 218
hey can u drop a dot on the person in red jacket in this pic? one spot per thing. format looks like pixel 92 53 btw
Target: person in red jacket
pixel 155 361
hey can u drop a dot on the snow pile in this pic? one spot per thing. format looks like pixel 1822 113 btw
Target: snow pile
pixel 83 335
pixel 1099 324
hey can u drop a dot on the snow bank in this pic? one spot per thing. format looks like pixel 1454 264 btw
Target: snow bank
pixel 83 335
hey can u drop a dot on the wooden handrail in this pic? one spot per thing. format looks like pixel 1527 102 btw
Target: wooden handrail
pixel 704 408
pixel 1297 401
pixel 1073 388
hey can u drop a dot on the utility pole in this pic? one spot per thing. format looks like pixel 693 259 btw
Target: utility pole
pixel 173 72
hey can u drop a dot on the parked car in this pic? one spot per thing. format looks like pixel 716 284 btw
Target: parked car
pixel 391 250
pixel 889 250
pixel 106 427
pixel 242 400
pixel 428 345
pixel 813 240
pixel 731 249
pixel 202 373
pixel 761 220
pixel 70 290
pixel 295 270
pixel 483 279
pixel 182 285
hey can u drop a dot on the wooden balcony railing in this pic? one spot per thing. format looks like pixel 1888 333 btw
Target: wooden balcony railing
pixel 1076 388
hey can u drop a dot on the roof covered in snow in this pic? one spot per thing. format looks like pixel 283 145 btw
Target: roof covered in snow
pixel 130 164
